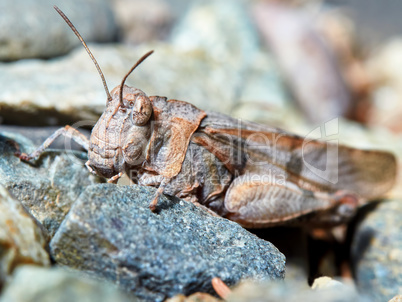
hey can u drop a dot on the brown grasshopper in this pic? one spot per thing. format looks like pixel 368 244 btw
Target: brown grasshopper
pixel 256 175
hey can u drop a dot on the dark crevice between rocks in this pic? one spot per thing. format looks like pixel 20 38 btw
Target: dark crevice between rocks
pixel 30 115
pixel 363 242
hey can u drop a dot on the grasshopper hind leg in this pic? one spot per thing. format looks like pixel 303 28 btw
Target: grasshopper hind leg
pixel 256 204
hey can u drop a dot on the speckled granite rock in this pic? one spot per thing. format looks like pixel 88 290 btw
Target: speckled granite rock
pixel 33 28
pixel 48 186
pixel 21 238
pixel 110 232
pixel 36 284
pixel 377 251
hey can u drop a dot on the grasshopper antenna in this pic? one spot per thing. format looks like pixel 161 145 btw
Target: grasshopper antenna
pixel 128 73
pixel 109 98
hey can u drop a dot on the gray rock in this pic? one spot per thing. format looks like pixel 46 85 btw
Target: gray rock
pixel 34 29
pixel 252 86
pixel 377 252
pixel 383 67
pixel 144 21
pixel 74 91
pixel 263 97
pixel 292 291
pixel 213 60
pixel 368 18
pixel 54 92
pixel 397 298
pixel 223 28
pixel 48 186
pixel 37 284
pixel 308 63
pixel 197 297
pixel 21 239
pixel 110 232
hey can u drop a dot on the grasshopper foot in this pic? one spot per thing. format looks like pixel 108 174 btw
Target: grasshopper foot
pixel 159 192
pixel 23 156
pixel 154 203
pixel 112 180
pixel 17 152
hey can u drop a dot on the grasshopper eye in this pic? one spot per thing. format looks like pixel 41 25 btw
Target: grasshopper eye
pixel 142 110
pixel 131 104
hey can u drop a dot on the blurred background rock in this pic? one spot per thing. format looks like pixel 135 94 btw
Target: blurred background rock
pixel 295 64
pixel 29 30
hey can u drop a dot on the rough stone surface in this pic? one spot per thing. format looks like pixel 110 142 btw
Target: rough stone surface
pixel 21 238
pixel 37 284
pixel 111 232
pixel 34 29
pixel 377 252
pixel 292 292
pixel 48 186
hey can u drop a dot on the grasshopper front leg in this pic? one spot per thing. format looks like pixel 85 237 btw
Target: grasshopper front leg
pixel 114 179
pixel 67 131
pixel 159 192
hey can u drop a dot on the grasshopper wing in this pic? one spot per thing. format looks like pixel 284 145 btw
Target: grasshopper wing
pixel 312 165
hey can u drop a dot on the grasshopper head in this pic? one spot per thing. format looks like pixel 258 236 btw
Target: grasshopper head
pixel 121 134
pixel 135 103
pixel 117 136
